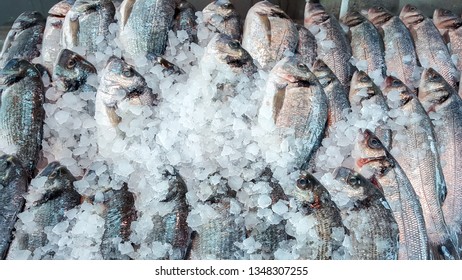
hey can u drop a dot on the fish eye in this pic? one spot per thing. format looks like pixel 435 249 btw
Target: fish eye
pixel 53 174
pixel 380 9
pixel 412 8
pixel 374 143
pixel 396 83
pixel 353 180
pixel 364 79
pixel 446 12
pixel 5 165
pixel 302 183
pixel 234 45
pixel 128 73
pixel 302 67
pixel 71 63
pixel 228 6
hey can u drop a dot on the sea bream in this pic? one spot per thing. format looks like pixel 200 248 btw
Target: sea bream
pixel 13 185
pixel 21 111
pixel 450 25
pixel 372 227
pixel 87 24
pixel 223 16
pixel 71 71
pixel 399 193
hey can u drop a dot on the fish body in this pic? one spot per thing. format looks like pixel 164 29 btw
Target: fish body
pixel 307 46
pixel 21 111
pixel 450 25
pixel 71 71
pixel 223 16
pixel 372 227
pixel 13 183
pixel 400 195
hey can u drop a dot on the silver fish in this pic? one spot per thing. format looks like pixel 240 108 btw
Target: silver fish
pixel 223 16
pixel 185 19
pixel 307 46
pixel 450 25
pixel 71 71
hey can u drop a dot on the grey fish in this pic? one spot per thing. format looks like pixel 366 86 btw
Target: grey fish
pixel 21 111
pixel 13 184
pixel 297 100
pixel 119 214
pixel 52 34
pixel 185 19
pixel 420 160
pixel 307 46
pixel 365 94
pixel 85 22
pixel 312 198
pixel 400 195
pixel 24 37
pixel 400 55
pixel 144 25
pixel 366 43
pixel 71 71
pixel 372 227
pixel 59 196
pixel 173 228
pixel 268 33
pixel 338 56
pixel 335 92
pixel 450 25
pixel 439 97
pixel 223 16
pixel 429 45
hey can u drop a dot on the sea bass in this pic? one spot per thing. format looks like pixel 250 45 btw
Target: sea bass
pixel 307 46
pixel 71 71
pixel 451 26
pixel 223 16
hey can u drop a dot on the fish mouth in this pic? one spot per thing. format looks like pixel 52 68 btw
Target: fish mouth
pixel 235 62
pixel 363 161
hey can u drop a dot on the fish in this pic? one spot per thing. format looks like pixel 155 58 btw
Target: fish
pixel 372 227
pixel 86 22
pixel 185 19
pixel 419 158
pixel 144 25
pixel 24 38
pixel 13 183
pixel 335 92
pixel 429 45
pixel 400 54
pixel 58 196
pixel 366 44
pixel 268 34
pixel 307 47
pixel 337 53
pixel 173 228
pixel 365 94
pixel 399 193
pixel 313 199
pixel 437 96
pixel 21 111
pixel 295 99
pixel 119 214
pixel 222 15
pixel 52 33
pixel 450 24
pixel 71 71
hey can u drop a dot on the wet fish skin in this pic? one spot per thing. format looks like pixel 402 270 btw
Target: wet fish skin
pixel 438 96
pixel 379 239
pixel 307 46
pixel 185 19
pixel 23 39
pixel 450 26
pixel 400 55
pixel 268 34
pixel 21 111
pixel 223 16
pixel 429 44
pixel 399 194
pixel 13 182
pixel 312 198
pixel 119 214
pixel 85 21
pixel 71 71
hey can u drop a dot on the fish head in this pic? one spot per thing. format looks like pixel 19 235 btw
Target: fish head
pixel 310 193
pixel 10 167
pixel 27 20
pixel 353 18
pixel 433 90
pixel 362 87
pixel 379 15
pixel 60 9
pixel 315 13
pixel 17 69
pixel 219 10
pixel 292 70
pixel 268 9
pixel 373 154
pixel 71 70
pixel 355 184
pixel 411 15
pixel 394 85
pixel 58 177
pixel 446 19
pixel 323 73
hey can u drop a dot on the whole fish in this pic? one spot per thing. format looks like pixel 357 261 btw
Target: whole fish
pixel 119 214
pixel 372 227
pixel 400 55
pixel 71 71
pixel 437 96
pixel 21 111
pixel 185 19
pixel 24 38
pixel 58 197
pixel 269 34
pixel 144 25
pixel 400 195
pixel 295 99
pixel 312 198
pixel 334 49
pixel 429 45
pixel 307 46
pixel 335 92
pixel 223 16
pixel 87 24
pixel 52 33
pixel 365 95
pixel 13 183
pixel 366 44
pixel 451 26
pixel 420 160
pixel 173 228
